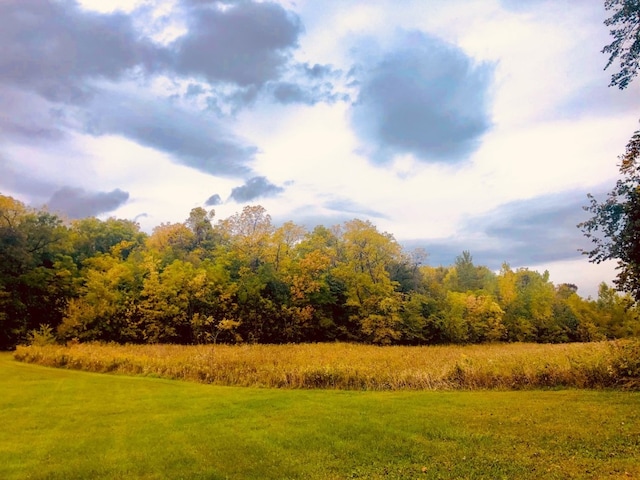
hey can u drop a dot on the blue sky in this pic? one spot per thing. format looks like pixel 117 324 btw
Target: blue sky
pixel 458 125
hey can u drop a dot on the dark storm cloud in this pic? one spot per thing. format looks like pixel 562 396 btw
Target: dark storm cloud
pixel 255 187
pixel 243 43
pixel 78 203
pixel 213 200
pixel 521 233
pixel 425 97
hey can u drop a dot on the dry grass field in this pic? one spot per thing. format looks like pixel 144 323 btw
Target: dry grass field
pixel 361 367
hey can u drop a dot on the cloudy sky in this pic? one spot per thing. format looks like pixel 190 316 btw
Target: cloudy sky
pixel 475 125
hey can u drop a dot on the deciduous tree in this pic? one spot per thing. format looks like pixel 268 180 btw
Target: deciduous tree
pixel 614 227
pixel 625 47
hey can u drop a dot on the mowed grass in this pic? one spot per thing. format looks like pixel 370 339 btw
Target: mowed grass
pixel 361 367
pixel 64 424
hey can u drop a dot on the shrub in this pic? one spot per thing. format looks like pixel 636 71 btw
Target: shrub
pixel 625 363
pixel 42 336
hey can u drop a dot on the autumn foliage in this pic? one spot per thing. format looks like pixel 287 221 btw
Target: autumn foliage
pixel 245 280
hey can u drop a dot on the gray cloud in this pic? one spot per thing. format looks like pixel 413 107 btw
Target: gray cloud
pixel 61 68
pixel 58 51
pixel 310 85
pixel 78 203
pixel 213 200
pixel 196 140
pixel 28 118
pixel 255 187
pixel 295 92
pixel 15 178
pixel 318 71
pixel 245 43
pixel 53 47
pixel 522 233
pixel 300 84
pixel 285 92
pixel 193 90
pixel 425 97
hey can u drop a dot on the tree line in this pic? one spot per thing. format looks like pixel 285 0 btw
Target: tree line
pixel 243 279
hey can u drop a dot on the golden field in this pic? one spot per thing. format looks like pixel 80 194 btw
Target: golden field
pixel 360 367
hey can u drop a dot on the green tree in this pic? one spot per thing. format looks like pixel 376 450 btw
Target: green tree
pixel 165 302
pixel 171 241
pixel 108 305
pixel 618 315
pixel 454 324
pixel 587 315
pixel 314 283
pixel 484 319
pixel 614 227
pixel 36 272
pixel 92 236
pixel 199 222
pixel 625 46
pixel 467 278
pixel 563 314
pixel 406 271
pixel 471 318
pixel 527 298
pixel 248 235
pixel 365 256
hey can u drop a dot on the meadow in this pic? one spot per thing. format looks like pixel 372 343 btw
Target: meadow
pixel 361 367
pixel 64 424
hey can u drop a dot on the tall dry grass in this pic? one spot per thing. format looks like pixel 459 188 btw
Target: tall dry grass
pixel 361 367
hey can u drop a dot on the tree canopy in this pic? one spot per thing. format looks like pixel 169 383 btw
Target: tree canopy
pixel 244 279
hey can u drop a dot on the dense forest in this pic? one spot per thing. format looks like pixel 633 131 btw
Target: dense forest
pixel 243 279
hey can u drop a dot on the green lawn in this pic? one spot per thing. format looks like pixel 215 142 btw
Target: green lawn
pixel 68 424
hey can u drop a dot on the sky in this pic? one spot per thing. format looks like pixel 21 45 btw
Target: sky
pixel 454 125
